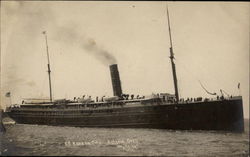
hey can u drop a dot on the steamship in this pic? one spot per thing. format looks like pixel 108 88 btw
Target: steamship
pixel 162 111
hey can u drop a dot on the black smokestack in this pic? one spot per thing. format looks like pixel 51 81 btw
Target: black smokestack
pixel 115 78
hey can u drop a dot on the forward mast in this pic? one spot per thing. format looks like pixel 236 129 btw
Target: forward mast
pixel 49 71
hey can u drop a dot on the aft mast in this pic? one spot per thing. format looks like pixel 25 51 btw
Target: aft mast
pixel 49 71
pixel 172 61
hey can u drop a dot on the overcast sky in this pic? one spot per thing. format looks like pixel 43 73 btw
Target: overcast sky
pixel 210 40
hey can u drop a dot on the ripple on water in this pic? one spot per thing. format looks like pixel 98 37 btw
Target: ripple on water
pixel 51 140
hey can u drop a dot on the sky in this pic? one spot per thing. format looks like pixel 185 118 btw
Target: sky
pixel 210 43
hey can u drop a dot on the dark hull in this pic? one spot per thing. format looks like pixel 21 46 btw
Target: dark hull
pixel 224 115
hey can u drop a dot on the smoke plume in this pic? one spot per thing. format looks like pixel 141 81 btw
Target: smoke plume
pixel 102 55
pixel 68 34
pixel 33 18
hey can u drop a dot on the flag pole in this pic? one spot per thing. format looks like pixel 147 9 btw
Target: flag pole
pixel 239 89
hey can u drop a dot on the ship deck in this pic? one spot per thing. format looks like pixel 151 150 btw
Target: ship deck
pixel 106 105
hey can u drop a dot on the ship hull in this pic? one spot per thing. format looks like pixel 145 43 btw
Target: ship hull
pixel 226 115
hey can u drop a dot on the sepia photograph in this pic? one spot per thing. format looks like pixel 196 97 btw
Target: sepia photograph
pixel 124 78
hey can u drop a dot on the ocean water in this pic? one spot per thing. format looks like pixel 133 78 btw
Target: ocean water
pixel 20 139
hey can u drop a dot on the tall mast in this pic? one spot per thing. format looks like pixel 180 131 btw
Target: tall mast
pixel 172 61
pixel 49 71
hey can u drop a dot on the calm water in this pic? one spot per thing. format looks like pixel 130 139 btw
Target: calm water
pixel 50 140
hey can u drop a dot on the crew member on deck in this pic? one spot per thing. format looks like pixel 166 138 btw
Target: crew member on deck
pixel 132 96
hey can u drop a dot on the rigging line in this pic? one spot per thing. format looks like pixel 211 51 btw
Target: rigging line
pixel 183 66
pixel 224 92
pixel 194 76
pixel 171 45
pixel 180 87
pixel 206 89
pixel 172 57
pixel 43 86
